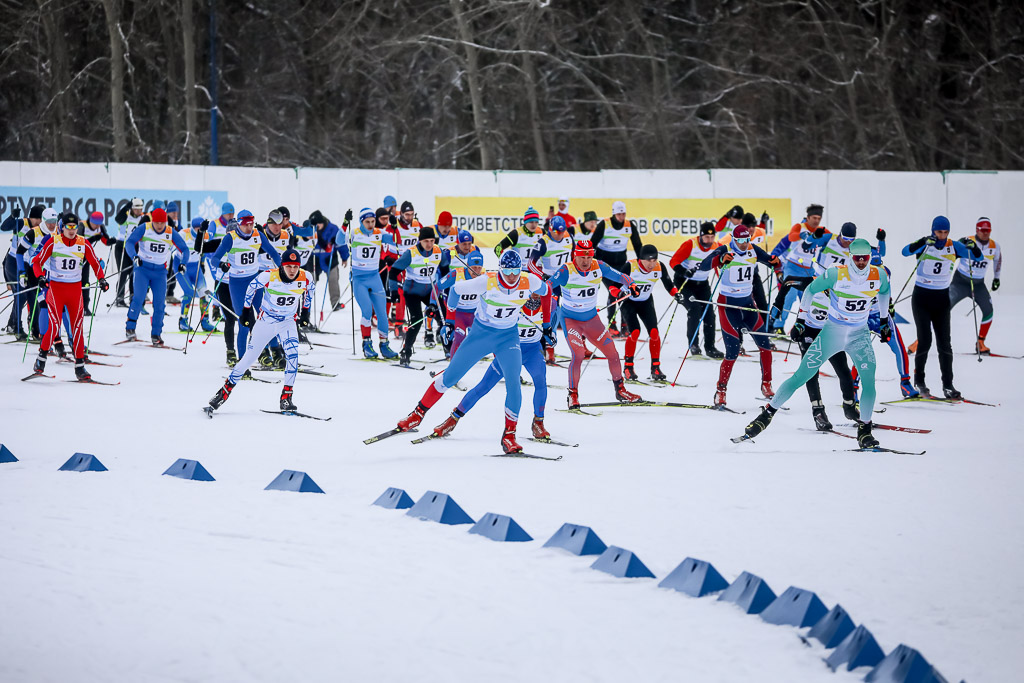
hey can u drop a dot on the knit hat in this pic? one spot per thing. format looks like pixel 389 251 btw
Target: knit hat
pixel 475 259
pixel 848 231
pixel 707 228
pixel 49 215
pixel 619 207
pixel 158 216
pixel 317 218
pixel 444 218
pixel 227 207
pixel 69 218
pixel 860 247
pixel 158 204
pixel 940 223
pixel 558 224
pixel 245 217
pixel 407 206
pixel 427 233
pixel 589 216
pixel 139 204
pixel 815 210
pixel 285 212
pixel 172 206
pixel 465 236
pixel 531 215
pixel 389 201
pixel 741 232
pixel 381 211
pixel 648 251
pixel 96 218
pixel 365 213
pixel 197 221
pixel 290 256
pixel 36 211
pixel 983 224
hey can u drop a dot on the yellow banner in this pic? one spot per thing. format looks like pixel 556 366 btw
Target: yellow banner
pixel 664 223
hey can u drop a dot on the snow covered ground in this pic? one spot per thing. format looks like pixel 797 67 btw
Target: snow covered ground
pixel 127 575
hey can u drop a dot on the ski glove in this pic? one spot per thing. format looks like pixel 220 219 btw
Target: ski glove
pixel 634 289
pixel 393 295
pixel 225 266
pixel 348 215
pixel 304 319
pixel 798 331
pixel 726 258
pixel 44 280
pixel 819 232
pixel 248 317
pixel 444 334
pixel 995 284
pixel 181 267
pixel 680 298
pixel 432 312
pixel 885 331
pixel 103 284
pixel 549 336
pixel 880 235
pixel 23 280
pixel 16 213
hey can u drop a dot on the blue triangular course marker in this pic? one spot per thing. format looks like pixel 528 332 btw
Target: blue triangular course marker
pixel 82 462
pixel 832 628
pixel 858 649
pixel 188 469
pixel 439 507
pixel 291 480
pixel 750 592
pixel 900 320
pixel 394 499
pixel 622 563
pixel 695 577
pixel 500 528
pixel 904 665
pixel 6 455
pixel 578 540
pixel 795 607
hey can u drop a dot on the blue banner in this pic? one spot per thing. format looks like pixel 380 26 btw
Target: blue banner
pixel 84 200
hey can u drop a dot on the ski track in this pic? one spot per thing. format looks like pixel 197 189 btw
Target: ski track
pixel 128 575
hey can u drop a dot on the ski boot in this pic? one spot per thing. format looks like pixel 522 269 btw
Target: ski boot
pixel 156 340
pixel 232 358
pixel 20 337
pixel 81 374
pixel 821 422
pixel 761 422
pixel 59 349
pixel 950 392
pixel 694 350
pixel 743 353
pixel 573 400
pixel 549 355
pixel 907 388
pixel 627 369
pixel 173 300
pixel 222 395
pixel 922 388
pixel 413 419
pixel 851 410
pixel 404 358
pixel 447 427
pixel 120 303
pixel 720 395
pixel 286 400
pixel 183 324
pixel 613 330
pixel 368 351
pixel 766 390
pixel 205 323
pixel 624 396
pixel 865 439
pixel 537 427
pixel 129 335
pixel 428 339
pixel 508 438
pixel 266 358
pixel 712 352
pixel 386 352
pixel 280 361
pixel 656 374
pixel 39 367
pixel 981 348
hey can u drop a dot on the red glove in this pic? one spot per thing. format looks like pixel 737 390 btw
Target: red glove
pixel 614 291
pixel 727 257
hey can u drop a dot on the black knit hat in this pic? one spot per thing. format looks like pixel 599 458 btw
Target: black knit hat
pixel 648 251
pixel 407 206
pixel 36 211
pixel 707 228
pixel 589 216
pixel 290 256
pixel 427 233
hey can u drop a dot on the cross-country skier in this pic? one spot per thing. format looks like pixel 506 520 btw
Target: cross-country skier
pixel 936 255
pixel 581 281
pixel 798 252
pixel 193 280
pixel 460 308
pixel 31 243
pixel 62 257
pixel 969 278
pixel 611 237
pixel 737 261
pixel 693 284
pixel 534 322
pixel 93 231
pixel 496 331
pixel 645 271
pixel 366 244
pixel 128 218
pixel 14 264
pixel 855 290
pixel 150 247
pixel 420 267
pixel 285 289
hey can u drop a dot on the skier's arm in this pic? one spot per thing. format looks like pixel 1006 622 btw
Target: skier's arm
pixel 713 259
pixel 612 274
pixel 884 292
pixel 307 299
pixel 682 253
pixel 398 266
pixel 90 256
pixel 180 243
pixel 507 242
pixel 41 258
pixel 598 234
pixel 997 262
pixel 634 239
pixel 765 257
pixel 269 250
pixel 915 248
pixel 537 286
pixel 131 244
pixel 10 224
pixel 968 252
pixel 826 280
pixel 477 285
pixel 666 281
pixel 122 214
pixel 257 282
pixel 223 249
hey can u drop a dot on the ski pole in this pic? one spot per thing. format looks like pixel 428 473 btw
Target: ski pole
pixel 696 331
pixel 719 305
pixel 31 316
pixel 917 264
pixel 662 316
pixel 977 345
pixel 352 312
pixel 664 338
pixel 92 318
pixel 193 300
pixel 211 294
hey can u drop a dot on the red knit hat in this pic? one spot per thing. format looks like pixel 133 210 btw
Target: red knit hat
pixel 444 218
pixel 158 216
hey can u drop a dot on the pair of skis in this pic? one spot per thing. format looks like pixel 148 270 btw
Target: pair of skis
pixel 36 375
pixel 648 404
pixel 290 413
pixel 876 449
pixel 396 430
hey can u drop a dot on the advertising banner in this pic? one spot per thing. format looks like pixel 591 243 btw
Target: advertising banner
pixel 84 200
pixel 664 223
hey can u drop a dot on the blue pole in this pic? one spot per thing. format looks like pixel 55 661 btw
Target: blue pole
pixel 214 155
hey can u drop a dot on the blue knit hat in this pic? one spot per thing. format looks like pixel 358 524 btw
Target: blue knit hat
pixel 465 236
pixel 475 259
pixel 366 212
pixel 172 206
pixel 390 201
pixel 197 221
pixel 227 207
pixel 940 223
pixel 157 204
pixel 848 231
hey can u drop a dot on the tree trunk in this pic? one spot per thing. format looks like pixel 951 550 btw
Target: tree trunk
pixel 473 78
pixel 60 78
pixel 188 43
pixel 112 10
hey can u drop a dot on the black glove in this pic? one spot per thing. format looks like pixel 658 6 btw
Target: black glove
pixel 348 215
pixel 203 228
pixel 248 317
pixel 680 299
pixel 137 261
pixel 549 336
pixel 432 312
pixel 634 289
pixel 995 284
pixel 798 331
pixel 819 232
pixel 885 330
pixel 304 319
pixel 968 242
pixel 393 294
pixel 181 267
pixel 16 213
pixel 44 280
pixel 103 284
pixel 765 218
pixel 225 266
pixel 393 219
pixel 23 279
pixel 880 235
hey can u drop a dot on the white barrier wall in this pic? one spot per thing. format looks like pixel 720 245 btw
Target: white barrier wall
pixel 901 203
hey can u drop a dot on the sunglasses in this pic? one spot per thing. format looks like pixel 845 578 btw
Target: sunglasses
pixel 860 258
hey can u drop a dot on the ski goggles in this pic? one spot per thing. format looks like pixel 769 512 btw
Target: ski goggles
pixel 511 272
pixel 742 241
pixel 861 260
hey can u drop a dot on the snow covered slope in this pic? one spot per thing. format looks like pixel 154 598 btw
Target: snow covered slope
pixel 126 575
